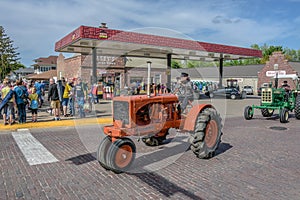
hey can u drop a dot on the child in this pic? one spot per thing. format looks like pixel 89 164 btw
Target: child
pixel 34 104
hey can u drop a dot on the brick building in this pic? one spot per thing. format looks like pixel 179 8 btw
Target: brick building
pixel 110 68
pixel 276 64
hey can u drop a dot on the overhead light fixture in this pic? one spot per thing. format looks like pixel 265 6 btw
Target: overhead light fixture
pixel 84 43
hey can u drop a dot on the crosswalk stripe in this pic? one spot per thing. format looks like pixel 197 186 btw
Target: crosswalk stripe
pixel 34 152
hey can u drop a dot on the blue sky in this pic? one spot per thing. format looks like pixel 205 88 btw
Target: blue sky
pixel 36 25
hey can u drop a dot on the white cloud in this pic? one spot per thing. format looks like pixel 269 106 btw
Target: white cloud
pixel 35 26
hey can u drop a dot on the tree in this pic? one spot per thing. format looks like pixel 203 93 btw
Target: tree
pixel 9 60
pixel 269 50
pixel 175 64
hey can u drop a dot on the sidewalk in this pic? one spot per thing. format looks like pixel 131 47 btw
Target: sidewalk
pixel 100 114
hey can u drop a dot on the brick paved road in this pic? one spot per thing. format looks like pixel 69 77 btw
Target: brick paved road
pixel 253 162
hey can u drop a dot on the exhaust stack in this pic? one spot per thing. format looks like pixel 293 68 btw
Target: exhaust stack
pixel 149 77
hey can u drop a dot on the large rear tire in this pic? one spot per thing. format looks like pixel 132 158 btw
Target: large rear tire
pixel 297 107
pixel 102 151
pixel 284 115
pixel 120 155
pixel 267 112
pixel 207 133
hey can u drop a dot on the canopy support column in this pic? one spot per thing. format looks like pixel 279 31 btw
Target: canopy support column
pixel 169 59
pixel 94 65
pixel 221 72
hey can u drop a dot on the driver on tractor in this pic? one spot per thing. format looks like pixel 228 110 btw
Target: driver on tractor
pixel 184 91
pixel 287 89
pixel 286 86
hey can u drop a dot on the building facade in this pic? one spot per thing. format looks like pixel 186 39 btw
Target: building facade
pixel 128 72
pixel 44 64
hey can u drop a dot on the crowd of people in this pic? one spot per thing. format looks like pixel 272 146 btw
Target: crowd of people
pixel 20 97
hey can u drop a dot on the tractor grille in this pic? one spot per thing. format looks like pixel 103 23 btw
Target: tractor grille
pixel 266 95
pixel 120 111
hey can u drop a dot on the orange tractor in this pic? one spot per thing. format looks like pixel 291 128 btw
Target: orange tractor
pixel 150 117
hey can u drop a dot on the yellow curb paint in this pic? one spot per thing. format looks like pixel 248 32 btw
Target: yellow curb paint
pixel 49 124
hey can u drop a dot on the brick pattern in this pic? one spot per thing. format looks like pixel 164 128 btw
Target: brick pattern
pixel 266 168
pixel 131 37
pixel 276 58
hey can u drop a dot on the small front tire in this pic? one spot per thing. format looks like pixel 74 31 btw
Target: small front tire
pixel 248 113
pixel 102 151
pixel 284 115
pixel 120 155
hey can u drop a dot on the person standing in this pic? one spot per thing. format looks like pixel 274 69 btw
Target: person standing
pixel 40 87
pixel 80 95
pixel 9 106
pixel 53 96
pixel 21 96
pixel 34 104
pixel 66 96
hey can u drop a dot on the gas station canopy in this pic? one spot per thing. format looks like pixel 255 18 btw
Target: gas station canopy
pixel 123 43
pixel 104 41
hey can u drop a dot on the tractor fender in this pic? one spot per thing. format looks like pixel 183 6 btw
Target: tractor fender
pixel 191 117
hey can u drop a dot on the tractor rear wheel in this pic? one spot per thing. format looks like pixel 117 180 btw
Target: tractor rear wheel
pixel 247 113
pixel 102 151
pixel 267 112
pixel 120 155
pixel 297 107
pixel 207 133
pixel 284 115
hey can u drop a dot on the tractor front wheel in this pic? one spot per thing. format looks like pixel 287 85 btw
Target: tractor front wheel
pixel 284 115
pixel 267 112
pixel 120 155
pixel 297 107
pixel 102 151
pixel 247 113
pixel 207 133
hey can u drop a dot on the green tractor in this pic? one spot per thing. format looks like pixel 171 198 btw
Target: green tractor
pixel 281 99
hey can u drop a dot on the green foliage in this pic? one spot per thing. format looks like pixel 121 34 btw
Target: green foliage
pixel 175 64
pixel 9 60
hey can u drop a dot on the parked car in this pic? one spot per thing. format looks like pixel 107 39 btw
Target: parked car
pixel 259 91
pixel 231 93
pixel 248 89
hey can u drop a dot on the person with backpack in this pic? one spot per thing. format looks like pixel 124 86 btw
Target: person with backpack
pixel 40 87
pixel 21 97
pixel 34 104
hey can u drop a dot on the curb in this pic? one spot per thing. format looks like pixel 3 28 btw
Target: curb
pixel 61 123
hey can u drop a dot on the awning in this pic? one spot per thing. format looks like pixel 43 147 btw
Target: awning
pixel 43 76
pixel 123 43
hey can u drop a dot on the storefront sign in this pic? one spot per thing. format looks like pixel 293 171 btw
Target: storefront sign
pixel 273 73
pixel 103 35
